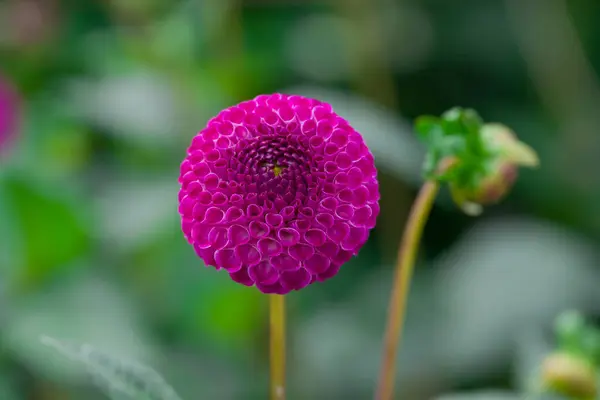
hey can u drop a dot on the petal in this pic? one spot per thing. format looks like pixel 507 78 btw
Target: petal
pixel 295 280
pixel 218 237
pixel 263 273
pixel 301 251
pixel 259 229
pixel 284 262
pixel 315 237
pixel 242 277
pixel 227 259
pixel 288 236
pixel 269 247
pixel 338 232
pixel 200 234
pixel 317 264
pixel 329 273
pixel 238 235
pixel 213 216
pixel 248 254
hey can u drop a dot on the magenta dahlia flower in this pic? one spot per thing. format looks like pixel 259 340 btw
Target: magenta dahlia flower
pixel 279 191
pixel 9 110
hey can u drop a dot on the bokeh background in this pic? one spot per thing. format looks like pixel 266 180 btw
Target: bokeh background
pixel 112 92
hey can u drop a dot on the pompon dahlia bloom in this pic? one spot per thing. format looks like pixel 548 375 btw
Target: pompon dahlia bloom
pixel 279 191
pixel 9 114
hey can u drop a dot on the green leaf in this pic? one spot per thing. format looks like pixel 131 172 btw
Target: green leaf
pixel 471 121
pixel 465 124
pixel 451 122
pixel 428 129
pixel 452 145
pixel 52 230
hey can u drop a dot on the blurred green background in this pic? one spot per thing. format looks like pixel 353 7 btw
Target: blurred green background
pixel 113 91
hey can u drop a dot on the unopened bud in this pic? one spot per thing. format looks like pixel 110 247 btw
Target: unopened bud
pixel 500 174
pixel 570 376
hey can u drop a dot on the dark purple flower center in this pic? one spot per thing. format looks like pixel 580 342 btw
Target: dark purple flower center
pixel 276 168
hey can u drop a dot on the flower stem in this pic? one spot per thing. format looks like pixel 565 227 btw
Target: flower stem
pixel 277 337
pixel 403 273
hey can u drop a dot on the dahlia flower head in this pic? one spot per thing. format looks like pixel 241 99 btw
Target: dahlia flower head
pixel 278 191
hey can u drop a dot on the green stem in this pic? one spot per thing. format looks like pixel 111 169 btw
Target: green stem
pixel 277 345
pixel 404 270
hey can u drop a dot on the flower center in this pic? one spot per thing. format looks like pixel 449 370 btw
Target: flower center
pixel 274 167
pixel 277 170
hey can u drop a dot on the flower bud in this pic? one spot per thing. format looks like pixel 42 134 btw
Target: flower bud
pixel 499 175
pixel 570 376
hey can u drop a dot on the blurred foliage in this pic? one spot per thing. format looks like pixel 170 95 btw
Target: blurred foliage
pixel 90 245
